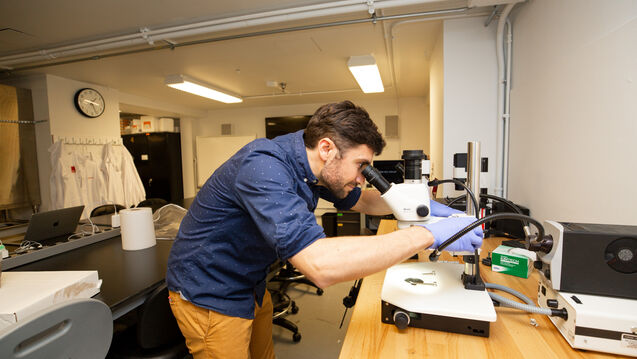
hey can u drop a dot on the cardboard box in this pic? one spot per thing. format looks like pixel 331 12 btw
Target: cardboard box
pixel 513 261
pixel 24 293
pixel 148 124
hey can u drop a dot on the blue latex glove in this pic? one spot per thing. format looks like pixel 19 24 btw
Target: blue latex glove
pixel 444 229
pixel 440 210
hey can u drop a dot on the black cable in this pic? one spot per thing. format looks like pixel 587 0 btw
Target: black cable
pixel 454 200
pixel 512 206
pixel 459 183
pixel 436 253
pixel 504 201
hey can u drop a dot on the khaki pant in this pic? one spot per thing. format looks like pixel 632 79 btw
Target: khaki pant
pixel 214 335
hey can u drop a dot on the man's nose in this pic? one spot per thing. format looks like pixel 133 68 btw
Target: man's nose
pixel 360 179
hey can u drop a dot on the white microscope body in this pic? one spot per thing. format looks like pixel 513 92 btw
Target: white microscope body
pixel 409 202
pixel 426 294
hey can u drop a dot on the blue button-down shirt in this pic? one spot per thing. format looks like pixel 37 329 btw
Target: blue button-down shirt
pixel 256 208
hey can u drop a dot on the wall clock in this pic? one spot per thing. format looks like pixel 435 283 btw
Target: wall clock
pixel 89 102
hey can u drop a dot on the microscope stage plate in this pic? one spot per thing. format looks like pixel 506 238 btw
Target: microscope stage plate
pixel 410 286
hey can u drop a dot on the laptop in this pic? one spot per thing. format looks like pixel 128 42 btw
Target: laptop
pixel 53 224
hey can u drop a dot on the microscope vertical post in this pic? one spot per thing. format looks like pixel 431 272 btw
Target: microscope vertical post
pixel 471 277
pixel 473 175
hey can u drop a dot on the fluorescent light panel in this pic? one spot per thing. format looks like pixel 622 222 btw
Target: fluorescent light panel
pixel 199 88
pixel 366 73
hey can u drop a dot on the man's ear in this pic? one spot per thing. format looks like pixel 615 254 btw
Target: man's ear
pixel 325 146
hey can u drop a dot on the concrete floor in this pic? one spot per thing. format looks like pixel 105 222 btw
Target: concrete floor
pixel 318 320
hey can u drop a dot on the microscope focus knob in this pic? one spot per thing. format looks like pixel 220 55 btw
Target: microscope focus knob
pixel 401 319
pixel 422 210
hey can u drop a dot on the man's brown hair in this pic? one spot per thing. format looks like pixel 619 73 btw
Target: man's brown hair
pixel 346 124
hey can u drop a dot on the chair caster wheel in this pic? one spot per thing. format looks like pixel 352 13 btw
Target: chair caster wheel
pixel 296 337
pixel 295 309
pixel 319 291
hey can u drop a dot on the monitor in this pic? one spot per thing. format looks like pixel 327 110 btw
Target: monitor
pixel 277 126
pixel 388 169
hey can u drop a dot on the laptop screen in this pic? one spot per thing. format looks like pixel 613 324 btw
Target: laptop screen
pixel 52 224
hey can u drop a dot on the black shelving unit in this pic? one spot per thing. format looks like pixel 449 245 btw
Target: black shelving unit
pixel 157 157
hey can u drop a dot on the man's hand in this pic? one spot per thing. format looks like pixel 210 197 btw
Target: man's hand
pixel 440 210
pixel 444 229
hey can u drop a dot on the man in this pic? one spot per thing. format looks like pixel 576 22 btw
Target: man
pixel 258 208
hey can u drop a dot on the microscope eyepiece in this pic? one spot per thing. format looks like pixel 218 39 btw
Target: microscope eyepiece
pixel 413 164
pixel 376 179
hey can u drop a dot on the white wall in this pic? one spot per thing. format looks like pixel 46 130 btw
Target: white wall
pixel 413 119
pixel 412 113
pixel 470 92
pixel 251 120
pixel 574 110
pixel 67 121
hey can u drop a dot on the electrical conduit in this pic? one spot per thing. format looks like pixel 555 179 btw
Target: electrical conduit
pixel 503 102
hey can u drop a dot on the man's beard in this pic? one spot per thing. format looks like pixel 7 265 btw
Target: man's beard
pixel 332 179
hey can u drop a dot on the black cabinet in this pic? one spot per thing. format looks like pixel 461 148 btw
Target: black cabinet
pixel 342 223
pixel 157 157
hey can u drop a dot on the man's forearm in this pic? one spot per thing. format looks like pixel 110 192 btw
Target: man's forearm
pixel 333 260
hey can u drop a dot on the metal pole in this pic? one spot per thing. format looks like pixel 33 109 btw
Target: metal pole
pixel 473 175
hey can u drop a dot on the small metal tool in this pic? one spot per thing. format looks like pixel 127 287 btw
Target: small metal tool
pixel 415 281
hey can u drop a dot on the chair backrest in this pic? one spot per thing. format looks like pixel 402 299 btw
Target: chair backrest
pixel 106 209
pixel 157 325
pixel 154 203
pixel 77 328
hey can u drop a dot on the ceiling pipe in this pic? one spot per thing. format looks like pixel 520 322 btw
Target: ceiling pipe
pixel 492 15
pixel 506 117
pixel 502 147
pixel 157 35
pixel 390 59
pixel 147 36
pixel 173 46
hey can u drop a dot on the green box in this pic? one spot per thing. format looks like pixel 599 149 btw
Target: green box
pixel 509 260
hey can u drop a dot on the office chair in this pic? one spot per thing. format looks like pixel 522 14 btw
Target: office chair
pixel 154 203
pixel 76 328
pixel 106 209
pixel 285 274
pixel 155 333
pixel 288 275
pixel 282 304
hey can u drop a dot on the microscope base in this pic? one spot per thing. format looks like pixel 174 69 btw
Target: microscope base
pixel 437 322
pixel 431 295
